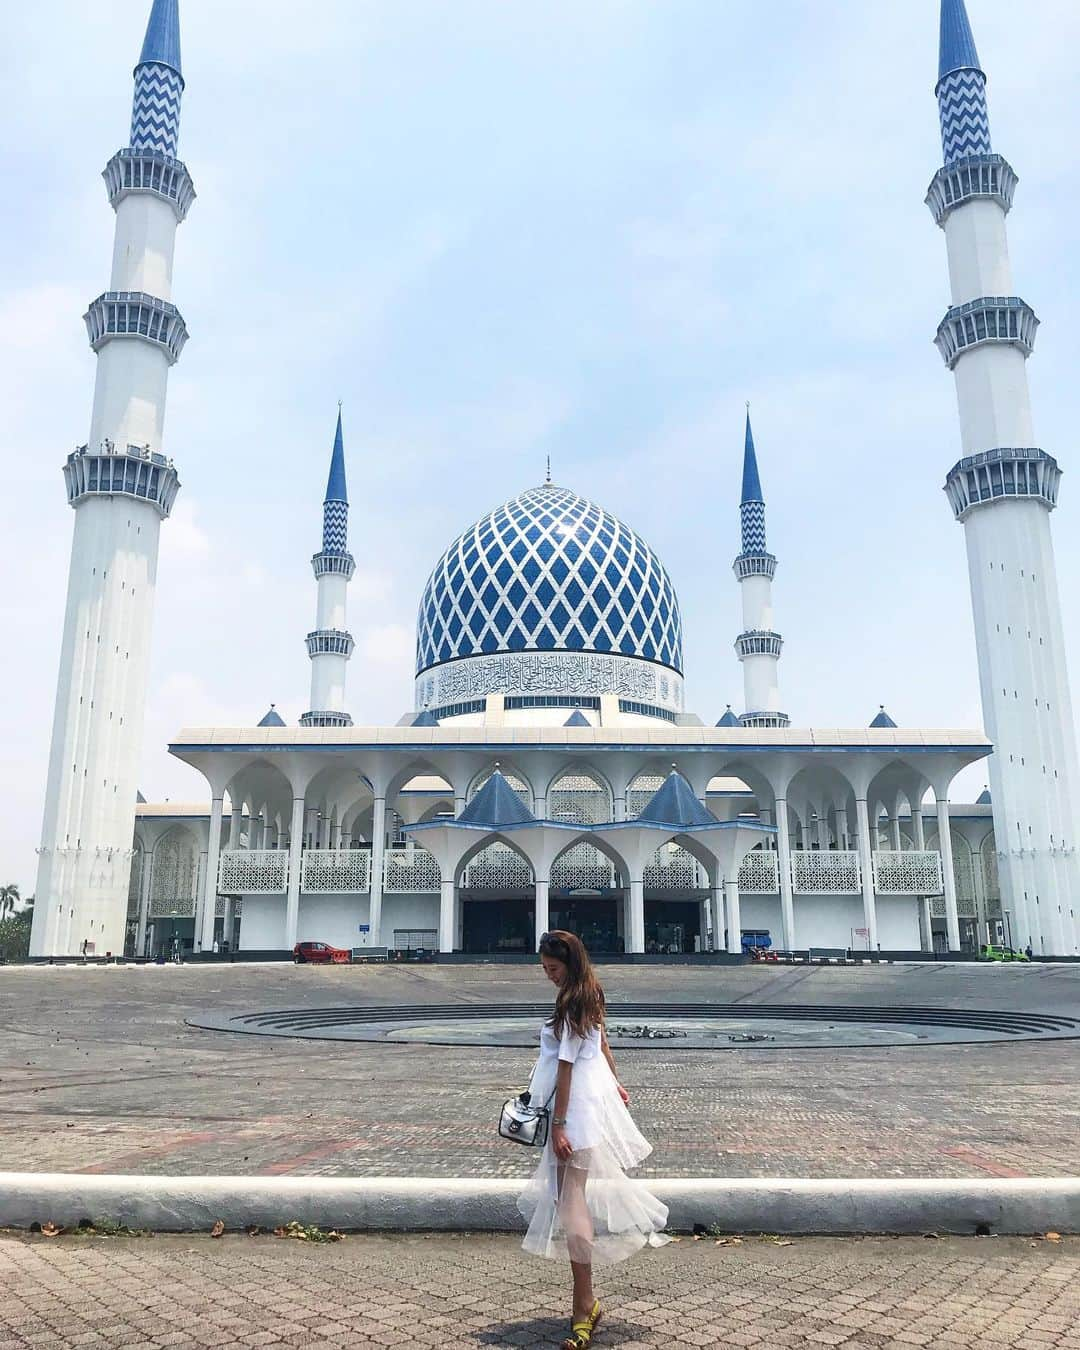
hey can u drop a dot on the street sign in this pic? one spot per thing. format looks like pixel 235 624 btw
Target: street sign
pixel 365 928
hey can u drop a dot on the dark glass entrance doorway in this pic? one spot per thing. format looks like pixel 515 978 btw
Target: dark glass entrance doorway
pixel 594 918
pixel 672 925
pixel 498 925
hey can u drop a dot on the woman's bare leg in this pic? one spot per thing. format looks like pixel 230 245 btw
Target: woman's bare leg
pixel 577 1225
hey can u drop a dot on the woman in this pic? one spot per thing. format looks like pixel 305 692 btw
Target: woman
pixel 579 1202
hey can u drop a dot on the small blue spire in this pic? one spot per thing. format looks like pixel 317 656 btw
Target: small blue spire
pixel 335 484
pixel 957 40
pixel 751 483
pixel 162 42
pixel 336 502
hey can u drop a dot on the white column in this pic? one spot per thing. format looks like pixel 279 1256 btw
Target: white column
pixel 716 899
pixel 236 821
pixel 894 833
pixel 866 869
pixel 204 940
pixel 823 830
pixel 636 935
pixel 311 825
pixel 841 828
pixel 618 807
pixel 447 917
pixel 378 853
pixel 541 891
pixel 734 917
pixel 144 901
pixel 952 919
pixel 927 925
pixel 919 829
pixel 335 835
pixel 787 904
pixel 296 848
pixel 707 941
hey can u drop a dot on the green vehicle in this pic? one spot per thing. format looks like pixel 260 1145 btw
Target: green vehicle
pixel 991 953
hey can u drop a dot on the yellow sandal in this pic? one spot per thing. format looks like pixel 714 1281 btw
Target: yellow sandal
pixel 581 1333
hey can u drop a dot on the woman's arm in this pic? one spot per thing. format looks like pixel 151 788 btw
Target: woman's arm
pixel 560 1144
pixel 611 1065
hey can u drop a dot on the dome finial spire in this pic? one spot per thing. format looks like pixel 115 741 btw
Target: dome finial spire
pixel 547 476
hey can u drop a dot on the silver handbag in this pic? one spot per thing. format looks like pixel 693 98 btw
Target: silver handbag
pixel 523 1123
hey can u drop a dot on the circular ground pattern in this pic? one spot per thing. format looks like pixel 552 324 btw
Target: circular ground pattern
pixel 657 1026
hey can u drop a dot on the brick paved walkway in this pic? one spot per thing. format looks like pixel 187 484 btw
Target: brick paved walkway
pixel 948 1294
pixel 98 1073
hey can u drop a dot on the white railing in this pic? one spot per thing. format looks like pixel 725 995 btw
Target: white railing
pixel 410 871
pixel 759 873
pixel 674 870
pixel 335 871
pixel 907 873
pixel 825 872
pixel 497 868
pixel 582 868
pixel 253 871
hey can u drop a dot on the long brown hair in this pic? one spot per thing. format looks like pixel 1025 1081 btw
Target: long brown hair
pixel 580 1001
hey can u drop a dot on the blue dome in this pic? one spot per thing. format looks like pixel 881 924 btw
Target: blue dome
pixel 549 571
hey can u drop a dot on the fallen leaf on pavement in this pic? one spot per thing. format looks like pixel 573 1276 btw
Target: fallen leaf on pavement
pixel 218 1228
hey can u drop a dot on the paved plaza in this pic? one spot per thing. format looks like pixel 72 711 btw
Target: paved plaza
pixel 99 1073
pixel 945 1294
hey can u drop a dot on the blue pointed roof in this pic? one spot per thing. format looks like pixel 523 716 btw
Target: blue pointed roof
pixel 729 719
pixel 674 803
pixel 984 798
pixel 577 719
pixel 495 806
pixel 425 719
pixel 336 490
pixel 162 41
pixel 751 483
pixel 882 719
pixel 957 40
pixel 272 719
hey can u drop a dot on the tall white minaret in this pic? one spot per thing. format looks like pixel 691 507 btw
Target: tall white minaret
pixel 757 645
pixel 1003 490
pixel 331 645
pixel 122 487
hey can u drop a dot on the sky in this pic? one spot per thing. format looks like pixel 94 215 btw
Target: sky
pixel 499 232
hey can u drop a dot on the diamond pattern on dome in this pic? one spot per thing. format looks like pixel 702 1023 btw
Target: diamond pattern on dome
pixel 549 571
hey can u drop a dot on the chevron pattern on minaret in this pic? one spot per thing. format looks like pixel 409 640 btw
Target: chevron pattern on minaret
pixel 155 114
pixel 753 527
pixel 965 123
pixel 335 533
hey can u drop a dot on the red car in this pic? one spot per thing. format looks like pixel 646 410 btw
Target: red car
pixel 320 953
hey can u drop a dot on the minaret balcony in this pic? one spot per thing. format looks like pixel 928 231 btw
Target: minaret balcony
pixel 329 642
pixel 998 474
pixel 333 563
pixel 133 314
pixel 754 565
pixel 995 318
pixel 975 178
pixel 149 171
pixel 109 471
pixel 764 719
pixel 326 719
pixel 758 642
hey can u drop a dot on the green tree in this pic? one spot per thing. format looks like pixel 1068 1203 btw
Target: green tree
pixel 15 937
pixel 9 898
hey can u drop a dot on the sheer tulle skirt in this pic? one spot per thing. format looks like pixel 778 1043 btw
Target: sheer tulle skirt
pixel 588 1209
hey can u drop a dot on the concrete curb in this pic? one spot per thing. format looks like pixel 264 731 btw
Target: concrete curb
pixel 419 1204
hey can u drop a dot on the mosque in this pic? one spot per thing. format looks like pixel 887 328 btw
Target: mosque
pixel 548 773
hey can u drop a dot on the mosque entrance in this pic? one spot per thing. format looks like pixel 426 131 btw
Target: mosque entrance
pixel 594 918
pixel 672 925
pixel 498 925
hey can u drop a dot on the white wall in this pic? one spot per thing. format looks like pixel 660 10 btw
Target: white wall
pixel 335 919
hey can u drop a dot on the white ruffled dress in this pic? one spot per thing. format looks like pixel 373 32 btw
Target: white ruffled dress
pixel 587 1209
